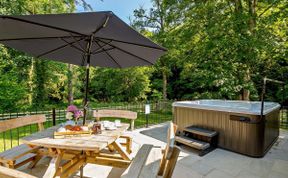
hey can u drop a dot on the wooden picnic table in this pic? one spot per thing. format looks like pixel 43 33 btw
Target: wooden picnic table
pixel 79 150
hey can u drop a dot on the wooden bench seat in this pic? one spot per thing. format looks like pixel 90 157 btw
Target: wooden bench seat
pixel 98 114
pixel 149 162
pixel 12 173
pixel 21 154
pixel 116 114
pixel 16 156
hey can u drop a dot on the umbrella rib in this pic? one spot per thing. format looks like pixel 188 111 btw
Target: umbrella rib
pixel 96 50
pixel 103 25
pixel 100 51
pixel 38 38
pixel 126 42
pixel 73 45
pixel 43 25
pixel 83 60
pixel 127 52
pixel 60 47
pixel 77 42
pixel 114 60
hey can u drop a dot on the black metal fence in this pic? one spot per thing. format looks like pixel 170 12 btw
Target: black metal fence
pixel 284 117
pixel 160 112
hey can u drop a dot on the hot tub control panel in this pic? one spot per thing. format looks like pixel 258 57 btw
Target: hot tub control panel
pixel 240 118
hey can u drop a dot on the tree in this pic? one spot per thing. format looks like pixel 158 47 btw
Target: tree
pixel 130 84
pixel 12 90
pixel 160 19
pixel 219 49
pixel 70 84
pixel 33 73
pixel 216 49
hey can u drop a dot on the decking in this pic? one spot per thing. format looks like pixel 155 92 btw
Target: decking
pixel 219 163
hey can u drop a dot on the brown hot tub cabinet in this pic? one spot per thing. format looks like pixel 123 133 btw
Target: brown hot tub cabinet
pixel 239 124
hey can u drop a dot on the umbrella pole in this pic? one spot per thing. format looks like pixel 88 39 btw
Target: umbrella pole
pixel 88 56
pixel 86 89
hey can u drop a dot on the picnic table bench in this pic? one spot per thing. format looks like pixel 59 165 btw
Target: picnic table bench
pixel 98 114
pixel 152 162
pixel 110 113
pixel 13 173
pixel 22 154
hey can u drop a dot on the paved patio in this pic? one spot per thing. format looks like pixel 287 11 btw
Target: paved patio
pixel 217 164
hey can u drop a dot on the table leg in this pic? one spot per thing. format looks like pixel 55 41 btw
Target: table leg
pixel 128 143
pixel 111 148
pixel 53 166
pixel 74 168
pixel 123 153
pixel 82 167
pixel 81 171
pixel 35 161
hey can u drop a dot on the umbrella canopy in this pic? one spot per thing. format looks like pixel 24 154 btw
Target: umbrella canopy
pixel 65 38
pixel 94 38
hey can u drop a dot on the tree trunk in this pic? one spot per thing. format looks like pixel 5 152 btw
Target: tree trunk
pixel 39 80
pixel 238 6
pixel 162 29
pixel 70 84
pixel 252 13
pixel 252 25
pixel 246 92
pixel 164 75
pixel 30 82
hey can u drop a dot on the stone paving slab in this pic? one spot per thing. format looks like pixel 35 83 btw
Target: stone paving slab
pixel 217 164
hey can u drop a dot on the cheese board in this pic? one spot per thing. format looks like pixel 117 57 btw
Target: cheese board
pixel 68 134
pixel 72 131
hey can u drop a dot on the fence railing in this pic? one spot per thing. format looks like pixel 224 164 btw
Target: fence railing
pixel 284 117
pixel 160 112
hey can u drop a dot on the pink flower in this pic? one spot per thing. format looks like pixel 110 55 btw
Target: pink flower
pixel 73 112
pixel 72 108
pixel 78 114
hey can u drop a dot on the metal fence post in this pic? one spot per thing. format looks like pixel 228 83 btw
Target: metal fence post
pixel 147 111
pixel 54 116
pixel 286 120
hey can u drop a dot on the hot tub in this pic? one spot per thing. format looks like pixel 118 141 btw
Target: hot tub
pixel 239 123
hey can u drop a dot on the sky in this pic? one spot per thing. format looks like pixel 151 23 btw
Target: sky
pixel 122 8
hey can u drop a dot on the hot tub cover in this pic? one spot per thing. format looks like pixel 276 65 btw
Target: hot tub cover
pixel 235 106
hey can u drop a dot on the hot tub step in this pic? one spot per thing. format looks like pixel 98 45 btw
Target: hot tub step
pixel 200 131
pixel 197 144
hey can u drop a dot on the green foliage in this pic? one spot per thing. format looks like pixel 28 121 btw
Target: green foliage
pixel 216 49
pixel 11 93
pixel 120 84
pixel 43 81
pixel 12 90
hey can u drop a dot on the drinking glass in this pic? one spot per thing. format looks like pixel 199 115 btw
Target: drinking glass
pixel 117 123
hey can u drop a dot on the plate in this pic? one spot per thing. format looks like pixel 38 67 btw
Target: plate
pixel 111 128
pixel 118 125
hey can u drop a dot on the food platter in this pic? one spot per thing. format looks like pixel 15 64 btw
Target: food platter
pixel 72 131
pixel 68 134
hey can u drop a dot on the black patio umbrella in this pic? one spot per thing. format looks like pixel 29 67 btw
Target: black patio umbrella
pixel 94 38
